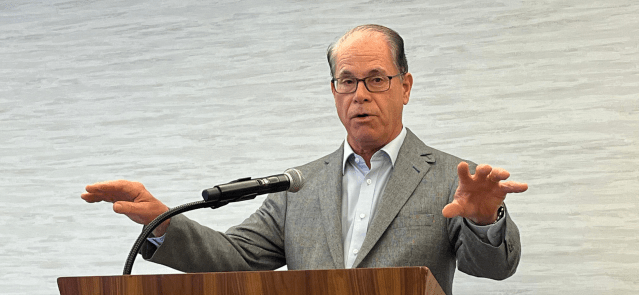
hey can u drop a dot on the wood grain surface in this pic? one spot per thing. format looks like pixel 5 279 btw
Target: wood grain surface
pixel 370 281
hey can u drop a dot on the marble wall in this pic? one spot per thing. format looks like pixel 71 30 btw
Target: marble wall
pixel 183 95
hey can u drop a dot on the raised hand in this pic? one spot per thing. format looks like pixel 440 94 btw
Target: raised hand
pixel 479 196
pixel 128 198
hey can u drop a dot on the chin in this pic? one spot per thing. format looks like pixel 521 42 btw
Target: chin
pixel 367 138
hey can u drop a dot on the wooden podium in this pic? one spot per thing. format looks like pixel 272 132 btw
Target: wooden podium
pixel 360 281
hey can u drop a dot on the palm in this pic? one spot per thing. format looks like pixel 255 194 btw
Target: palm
pixel 479 196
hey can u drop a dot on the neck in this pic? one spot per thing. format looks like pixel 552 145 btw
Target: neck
pixel 366 149
pixel 367 154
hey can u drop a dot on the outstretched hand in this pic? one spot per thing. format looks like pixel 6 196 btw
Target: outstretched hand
pixel 479 196
pixel 128 198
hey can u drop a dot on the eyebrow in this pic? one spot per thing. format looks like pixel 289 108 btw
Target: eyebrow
pixel 375 71
pixel 344 73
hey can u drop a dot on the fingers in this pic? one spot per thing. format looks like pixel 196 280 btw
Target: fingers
pixel 482 171
pixel 92 198
pixel 452 210
pixel 113 186
pixel 100 187
pixel 513 187
pixel 487 172
pixel 498 174
pixel 463 172
pixel 112 191
pixel 105 197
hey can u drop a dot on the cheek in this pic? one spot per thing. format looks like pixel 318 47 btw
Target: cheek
pixel 342 109
pixel 394 110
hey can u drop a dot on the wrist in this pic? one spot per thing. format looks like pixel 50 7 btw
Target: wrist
pixel 499 214
pixel 160 230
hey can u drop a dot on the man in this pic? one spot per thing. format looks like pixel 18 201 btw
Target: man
pixel 375 202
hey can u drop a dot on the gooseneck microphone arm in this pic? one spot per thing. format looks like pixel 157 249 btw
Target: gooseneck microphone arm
pixel 146 231
pixel 239 190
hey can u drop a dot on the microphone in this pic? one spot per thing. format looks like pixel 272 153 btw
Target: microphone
pixel 247 188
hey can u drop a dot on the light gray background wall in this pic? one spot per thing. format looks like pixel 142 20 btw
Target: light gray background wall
pixel 183 95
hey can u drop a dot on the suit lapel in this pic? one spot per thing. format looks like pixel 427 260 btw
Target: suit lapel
pixel 330 198
pixel 410 168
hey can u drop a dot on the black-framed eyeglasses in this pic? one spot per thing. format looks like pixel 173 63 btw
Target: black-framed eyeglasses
pixel 377 83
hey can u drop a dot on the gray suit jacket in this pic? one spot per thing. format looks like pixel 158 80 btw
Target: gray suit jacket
pixel 303 230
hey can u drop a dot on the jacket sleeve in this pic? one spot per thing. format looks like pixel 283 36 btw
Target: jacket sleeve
pixel 255 244
pixel 479 258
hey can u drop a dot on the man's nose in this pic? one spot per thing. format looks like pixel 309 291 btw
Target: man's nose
pixel 361 93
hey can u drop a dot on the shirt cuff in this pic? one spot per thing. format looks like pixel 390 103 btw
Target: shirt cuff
pixel 157 241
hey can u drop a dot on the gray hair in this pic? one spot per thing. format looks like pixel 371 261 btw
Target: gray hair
pixel 395 42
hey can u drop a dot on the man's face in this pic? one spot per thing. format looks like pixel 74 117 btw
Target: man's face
pixel 371 119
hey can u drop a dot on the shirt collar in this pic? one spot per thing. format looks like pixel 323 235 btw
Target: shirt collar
pixel 391 149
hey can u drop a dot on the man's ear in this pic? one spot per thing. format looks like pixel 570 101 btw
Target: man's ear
pixel 407 85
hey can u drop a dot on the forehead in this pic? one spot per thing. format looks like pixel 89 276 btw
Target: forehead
pixel 363 53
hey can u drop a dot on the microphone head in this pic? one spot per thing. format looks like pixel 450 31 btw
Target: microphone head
pixel 295 178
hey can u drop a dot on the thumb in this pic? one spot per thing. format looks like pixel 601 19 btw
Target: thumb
pixel 134 211
pixel 126 208
pixel 452 210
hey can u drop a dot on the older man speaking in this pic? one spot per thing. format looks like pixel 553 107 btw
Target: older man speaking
pixel 382 199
